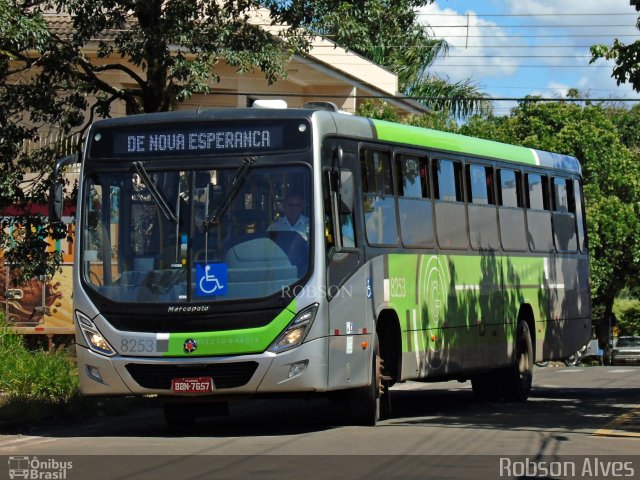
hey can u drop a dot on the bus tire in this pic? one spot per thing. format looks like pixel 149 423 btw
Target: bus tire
pixel 518 377
pixel 364 402
pixel 178 416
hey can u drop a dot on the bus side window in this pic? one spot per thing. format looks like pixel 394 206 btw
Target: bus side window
pixel 447 180
pixel 509 188
pixel 480 184
pixel 378 200
pixel 580 219
pixel 510 212
pixel 414 201
pixel 564 208
pixel 538 214
pixel 483 222
pixel 450 210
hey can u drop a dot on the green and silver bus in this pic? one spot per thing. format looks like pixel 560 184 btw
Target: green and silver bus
pixel 418 255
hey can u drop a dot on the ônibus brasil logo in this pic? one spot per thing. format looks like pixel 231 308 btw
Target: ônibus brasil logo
pixel 190 345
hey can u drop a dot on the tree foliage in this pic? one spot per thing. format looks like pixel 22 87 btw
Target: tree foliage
pixel 27 105
pixel 627 66
pixel 626 58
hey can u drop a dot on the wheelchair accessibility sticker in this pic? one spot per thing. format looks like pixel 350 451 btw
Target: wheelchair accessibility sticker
pixel 211 279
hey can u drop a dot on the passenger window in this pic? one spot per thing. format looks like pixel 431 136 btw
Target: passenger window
pixel 480 184
pixel 376 170
pixel 582 241
pixel 447 180
pixel 564 218
pixel 537 192
pixel 414 202
pixel 378 200
pixel 563 197
pixel 412 176
pixel 509 188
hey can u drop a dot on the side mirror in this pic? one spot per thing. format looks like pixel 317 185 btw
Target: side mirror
pixel 56 202
pixel 56 194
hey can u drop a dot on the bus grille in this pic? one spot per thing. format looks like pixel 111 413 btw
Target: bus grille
pixel 225 375
pixel 155 321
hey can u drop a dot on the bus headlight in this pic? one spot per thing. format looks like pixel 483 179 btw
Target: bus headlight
pixel 93 337
pixel 296 331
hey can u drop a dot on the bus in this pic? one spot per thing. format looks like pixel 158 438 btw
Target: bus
pixel 416 255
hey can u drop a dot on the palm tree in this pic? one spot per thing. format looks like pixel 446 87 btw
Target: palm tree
pixel 388 33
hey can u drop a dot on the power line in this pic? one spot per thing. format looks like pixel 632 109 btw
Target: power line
pixel 542 36
pixel 440 65
pixel 526 14
pixel 424 98
pixel 533 26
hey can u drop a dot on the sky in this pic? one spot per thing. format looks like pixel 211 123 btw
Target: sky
pixel 514 48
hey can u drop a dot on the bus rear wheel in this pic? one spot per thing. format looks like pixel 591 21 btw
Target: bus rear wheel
pixel 518 377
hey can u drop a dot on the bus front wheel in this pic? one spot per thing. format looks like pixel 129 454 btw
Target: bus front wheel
pixel 364 402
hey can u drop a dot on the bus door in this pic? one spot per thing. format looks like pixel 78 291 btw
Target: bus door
pixel 350 323
pixel 342 246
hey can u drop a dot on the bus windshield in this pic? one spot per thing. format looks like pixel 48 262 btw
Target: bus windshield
pixel 195 235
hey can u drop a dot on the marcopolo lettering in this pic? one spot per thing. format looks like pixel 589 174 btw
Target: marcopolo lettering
pixel 200 141
pixel 188 308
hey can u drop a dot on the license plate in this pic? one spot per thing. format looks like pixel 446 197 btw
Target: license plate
pixel 192 385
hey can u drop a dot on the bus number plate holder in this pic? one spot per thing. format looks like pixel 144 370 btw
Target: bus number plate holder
pixel 192 385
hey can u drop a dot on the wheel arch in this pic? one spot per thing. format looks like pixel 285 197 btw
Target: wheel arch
pixel 390 343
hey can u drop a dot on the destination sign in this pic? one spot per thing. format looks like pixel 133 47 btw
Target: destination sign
pixel 198 138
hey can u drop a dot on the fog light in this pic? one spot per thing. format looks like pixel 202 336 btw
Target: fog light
pixel 94 373
pixel 297 368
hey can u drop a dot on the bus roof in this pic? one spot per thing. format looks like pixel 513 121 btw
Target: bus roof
pixel 377 129
pixel 451 142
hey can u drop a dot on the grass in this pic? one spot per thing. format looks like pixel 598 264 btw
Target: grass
pixel 35 385
pixel 39 387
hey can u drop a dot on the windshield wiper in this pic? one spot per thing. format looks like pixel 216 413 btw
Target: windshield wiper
pixel 155 193
pixel 231 192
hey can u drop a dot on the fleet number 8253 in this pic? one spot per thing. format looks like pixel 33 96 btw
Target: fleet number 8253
pixel 134 345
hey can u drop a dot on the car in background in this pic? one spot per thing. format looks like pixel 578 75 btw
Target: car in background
pixel 626 350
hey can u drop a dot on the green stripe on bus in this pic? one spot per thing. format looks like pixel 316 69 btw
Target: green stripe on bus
pixel 424 137
pixel 232 342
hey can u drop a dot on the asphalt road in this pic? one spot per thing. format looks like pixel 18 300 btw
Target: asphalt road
pixel 573 413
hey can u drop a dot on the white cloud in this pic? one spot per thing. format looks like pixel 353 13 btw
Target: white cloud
pixel 548 36
pixel 470 49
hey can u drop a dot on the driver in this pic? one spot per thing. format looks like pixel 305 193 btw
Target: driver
pixel 293 219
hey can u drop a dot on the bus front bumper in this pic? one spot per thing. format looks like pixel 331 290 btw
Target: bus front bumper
pixel 301 369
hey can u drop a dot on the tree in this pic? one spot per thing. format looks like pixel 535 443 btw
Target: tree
pixel 24 108
pixel 611 181
pixel 170 48
pixel 626 57
pixel 389 33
